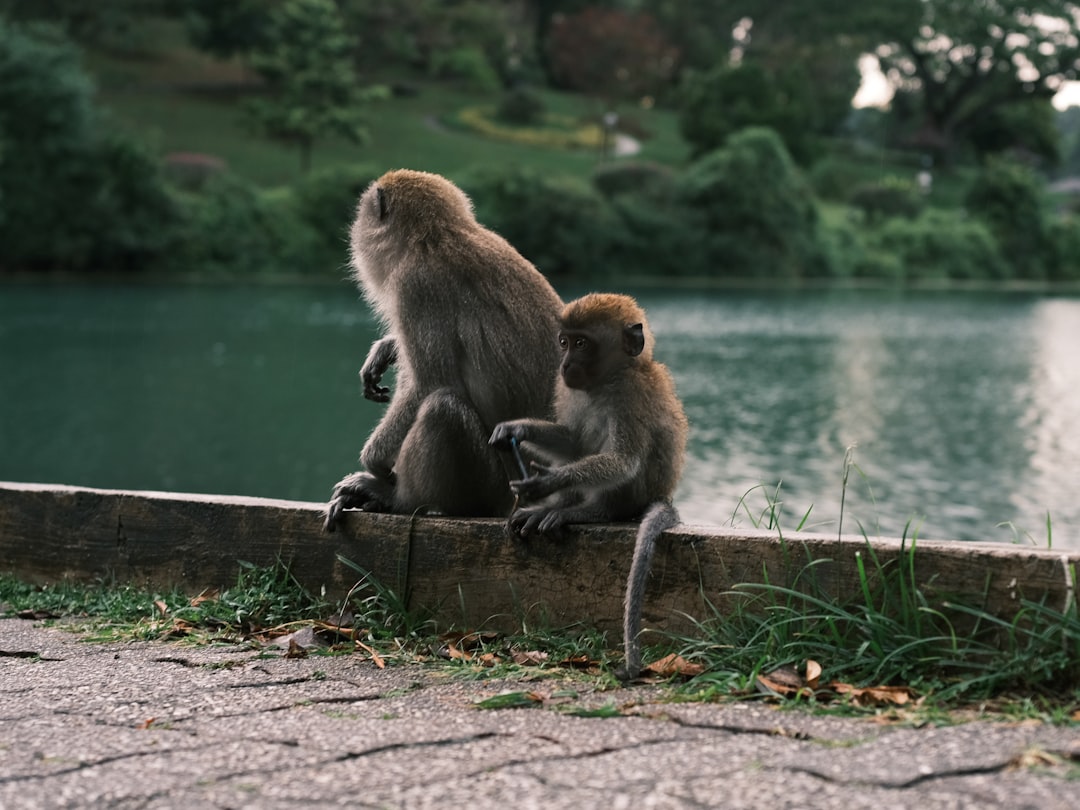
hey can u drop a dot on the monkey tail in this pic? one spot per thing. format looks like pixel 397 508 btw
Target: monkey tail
pixel 659 517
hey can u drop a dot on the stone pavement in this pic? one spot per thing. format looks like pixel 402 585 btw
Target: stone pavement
pixel 157 725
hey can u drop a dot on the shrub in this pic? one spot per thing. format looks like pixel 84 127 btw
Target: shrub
pixel 232 228
pixel 617 178
pixel 758 217
pixel 556 221
pixel 520 107
pixel 1009 199
pixel 941 244
pixel 467 64
pixel 719 103
pixel 326 201
pixel 892 197
pixel 1064 235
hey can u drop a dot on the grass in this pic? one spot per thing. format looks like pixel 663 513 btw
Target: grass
pixel 891 647
pixel 178 100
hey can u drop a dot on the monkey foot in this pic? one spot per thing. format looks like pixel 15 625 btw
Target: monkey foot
pixel 361 490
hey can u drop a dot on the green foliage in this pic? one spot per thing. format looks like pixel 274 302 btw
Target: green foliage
pixel 1064 236
pixel 466 64
pixel 232 228
pixel 75 195
pixel 559 223
pixel 613 179
pixel 326 202
pixel 520 107
pixel 1024 51
pixel 758 218
pixel 726 99
pixel 227 29
pixel 891 197
pixel 311 87
pixel 1026 127
pixel 1009 199
pixel 938 244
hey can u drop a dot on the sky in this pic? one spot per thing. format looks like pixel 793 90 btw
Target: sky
pixel 874 90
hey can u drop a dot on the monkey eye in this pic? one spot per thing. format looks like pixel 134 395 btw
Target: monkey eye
pixel 381 203
pixel 581 343
pixel 563 342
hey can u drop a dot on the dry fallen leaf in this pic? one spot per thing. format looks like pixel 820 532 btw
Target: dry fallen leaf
pixel 295 650
pixel 813 673
pixel 874 695
pixel 378 659
pixel 674 665
pixel 163 609
pixel 532 658
pixel 207 595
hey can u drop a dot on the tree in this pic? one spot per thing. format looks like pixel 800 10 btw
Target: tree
pixel 726 99
pixel 610 53
pixel 311 88
pixel 75 195
pixel 227 29
pixel 757 216
pixel 963 59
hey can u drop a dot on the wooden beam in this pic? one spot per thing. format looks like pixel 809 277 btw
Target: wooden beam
pixel 468 572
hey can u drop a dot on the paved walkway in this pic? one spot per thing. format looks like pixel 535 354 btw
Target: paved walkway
pixel 155 725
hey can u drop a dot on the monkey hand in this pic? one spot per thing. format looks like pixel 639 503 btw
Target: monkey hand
pixel 504 432
pixel 382 355
pixel 542 482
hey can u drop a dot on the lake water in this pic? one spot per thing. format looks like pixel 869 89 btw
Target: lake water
pixel 964 409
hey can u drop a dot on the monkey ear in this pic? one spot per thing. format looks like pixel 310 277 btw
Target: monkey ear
pixel 380 200
pixel 633 339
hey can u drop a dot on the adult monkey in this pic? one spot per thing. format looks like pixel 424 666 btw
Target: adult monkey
pixel 469 323
pixel 616 448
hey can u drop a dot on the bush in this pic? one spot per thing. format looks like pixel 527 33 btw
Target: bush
pixel 1009 199
pixel 719 103
pixel 617 178
pixel 76 196
pixel 557 222
pixel 326 202
pixel 758 218
pixel 892 197
pixel 467 64
pixel 1064 235
pixel 232 228
pixel 520 107
pixel 939 245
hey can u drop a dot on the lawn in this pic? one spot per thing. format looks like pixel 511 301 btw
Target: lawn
pixel 179 100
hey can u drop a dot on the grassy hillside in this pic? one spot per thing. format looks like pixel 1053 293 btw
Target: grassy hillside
pixel 179 100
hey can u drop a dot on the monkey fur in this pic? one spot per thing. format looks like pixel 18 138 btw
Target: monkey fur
pixel 468 323
pixel 616 448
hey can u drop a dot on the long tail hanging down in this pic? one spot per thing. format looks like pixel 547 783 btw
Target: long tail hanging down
pixel 659 517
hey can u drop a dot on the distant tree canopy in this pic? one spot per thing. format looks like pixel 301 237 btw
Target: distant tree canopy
pixel 611 54
pixel 962 60
pixel 75 195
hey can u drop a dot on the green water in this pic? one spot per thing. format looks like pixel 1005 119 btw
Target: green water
pixel 964 408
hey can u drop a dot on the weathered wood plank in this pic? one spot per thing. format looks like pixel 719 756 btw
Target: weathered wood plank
pixel 467 570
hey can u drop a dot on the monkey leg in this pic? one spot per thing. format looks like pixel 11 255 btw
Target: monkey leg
pixel 445 465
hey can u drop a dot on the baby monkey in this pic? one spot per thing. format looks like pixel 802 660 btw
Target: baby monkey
pixel 616 448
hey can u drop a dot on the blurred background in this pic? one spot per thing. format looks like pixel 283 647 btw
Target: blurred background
pixel 854 225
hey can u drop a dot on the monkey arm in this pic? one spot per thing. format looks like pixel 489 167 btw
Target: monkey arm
pixel 595 473
pixel 382 355
pixel 551 438
pixel 383 445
